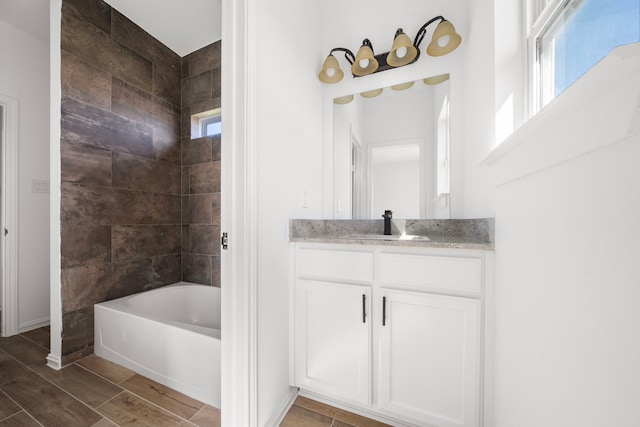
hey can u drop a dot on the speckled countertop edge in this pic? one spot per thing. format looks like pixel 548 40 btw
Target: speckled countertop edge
pixel 442 233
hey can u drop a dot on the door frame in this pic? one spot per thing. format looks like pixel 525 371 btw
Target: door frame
pixel 9 213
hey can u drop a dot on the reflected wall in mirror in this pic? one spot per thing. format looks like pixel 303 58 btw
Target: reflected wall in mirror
pixel 391 151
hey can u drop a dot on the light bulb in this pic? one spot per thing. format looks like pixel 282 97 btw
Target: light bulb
pixel 330 72
pixel 364 63
pixel 444 40
pixel 401 52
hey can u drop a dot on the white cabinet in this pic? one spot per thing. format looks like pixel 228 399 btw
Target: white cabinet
pixel 429 358
pixel 333 336
pixel 394 332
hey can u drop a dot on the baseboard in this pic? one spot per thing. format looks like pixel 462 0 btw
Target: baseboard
pixel 54 361
pixel 33 324
pixel 284 407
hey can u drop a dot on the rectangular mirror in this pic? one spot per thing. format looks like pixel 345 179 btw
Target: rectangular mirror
pixel 391 151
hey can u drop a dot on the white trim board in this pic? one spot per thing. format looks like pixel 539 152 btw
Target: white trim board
pixel 55 297
pixel 9 280
pixel 239 214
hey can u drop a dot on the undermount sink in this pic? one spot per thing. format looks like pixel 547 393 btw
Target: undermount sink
pixel 393 237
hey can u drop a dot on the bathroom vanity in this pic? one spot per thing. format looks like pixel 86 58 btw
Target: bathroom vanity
pixel 390 326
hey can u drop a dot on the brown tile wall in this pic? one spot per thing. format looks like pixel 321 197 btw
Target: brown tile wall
pixel 121 166
pixel 200 169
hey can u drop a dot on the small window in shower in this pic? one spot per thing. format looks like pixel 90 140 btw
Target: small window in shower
pixel 211 126
pixel 208 123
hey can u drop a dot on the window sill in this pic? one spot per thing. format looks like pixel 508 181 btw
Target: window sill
pixel 599 109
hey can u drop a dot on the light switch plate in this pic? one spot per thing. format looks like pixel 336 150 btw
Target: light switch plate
pixel 39 185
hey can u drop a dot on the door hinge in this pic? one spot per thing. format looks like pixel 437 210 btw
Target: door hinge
pixel 224 241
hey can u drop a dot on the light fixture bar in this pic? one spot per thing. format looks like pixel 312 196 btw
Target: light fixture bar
pixel 445 40
pixel 423 32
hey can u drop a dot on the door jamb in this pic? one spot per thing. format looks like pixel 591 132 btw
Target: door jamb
pixel 9 214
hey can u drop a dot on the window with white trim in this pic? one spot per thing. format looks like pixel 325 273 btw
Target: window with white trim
pixel 568 37
pixel 207 123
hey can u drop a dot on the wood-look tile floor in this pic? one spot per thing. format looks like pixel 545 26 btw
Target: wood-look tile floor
pixel 309 413
pixel 89 392
pixel 94 392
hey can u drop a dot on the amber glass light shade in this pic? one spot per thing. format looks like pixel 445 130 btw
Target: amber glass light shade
pixel 444 40
pixel 371 93
pixel 343 100
pixel 331 72
pixel 402 86
pixel 365 63
pixel 402 51
pixel 436 79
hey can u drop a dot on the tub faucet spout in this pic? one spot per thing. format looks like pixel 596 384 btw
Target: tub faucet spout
pixel 387 222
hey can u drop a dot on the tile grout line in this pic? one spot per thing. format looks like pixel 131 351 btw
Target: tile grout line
pixel 104 403
pixel 33 418
pixel 26 413
pixel 38 344
pixel 200 410
pixel 13 400
pixel 100 376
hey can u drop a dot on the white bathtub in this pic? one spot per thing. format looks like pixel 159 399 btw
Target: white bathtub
pixel 170 334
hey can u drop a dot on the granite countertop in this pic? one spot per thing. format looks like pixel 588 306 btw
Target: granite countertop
pixel 435 233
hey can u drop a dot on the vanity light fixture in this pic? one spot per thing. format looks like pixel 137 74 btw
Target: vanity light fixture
pixel 403 52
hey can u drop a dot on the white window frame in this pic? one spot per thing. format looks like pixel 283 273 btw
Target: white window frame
pixel 216 118
pixel 197 127
pixel 541 16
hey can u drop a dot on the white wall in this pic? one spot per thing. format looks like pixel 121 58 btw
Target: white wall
pixel 289 154
pixel 471 192
pixel 511 78
pixel 567 324
pixel 25 75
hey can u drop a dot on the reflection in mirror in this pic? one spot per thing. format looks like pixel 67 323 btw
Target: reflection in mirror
pixel 391 151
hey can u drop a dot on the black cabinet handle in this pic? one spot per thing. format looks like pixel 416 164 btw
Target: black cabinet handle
pixel 364 312
pixel 384 311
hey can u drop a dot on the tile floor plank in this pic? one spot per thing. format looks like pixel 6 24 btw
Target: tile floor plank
pixel 21 419
pixel 303 417
pixel 39 336
pixel 171 400
pixel 27 352
pixel 207 417
pixel 84 385
pixel 338 414
pixel 48 404
pixel 106 369
pixel 128 410
pixel 104 423
pixel 7 407
pixel 11 370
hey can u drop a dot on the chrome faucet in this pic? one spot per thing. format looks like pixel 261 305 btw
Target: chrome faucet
pixel 387 222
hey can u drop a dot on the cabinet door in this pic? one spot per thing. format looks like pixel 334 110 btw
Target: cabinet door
pixel 332 340
pixel 430 358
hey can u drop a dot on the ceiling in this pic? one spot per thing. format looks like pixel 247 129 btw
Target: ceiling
pixel 31 16
pixel 182 25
